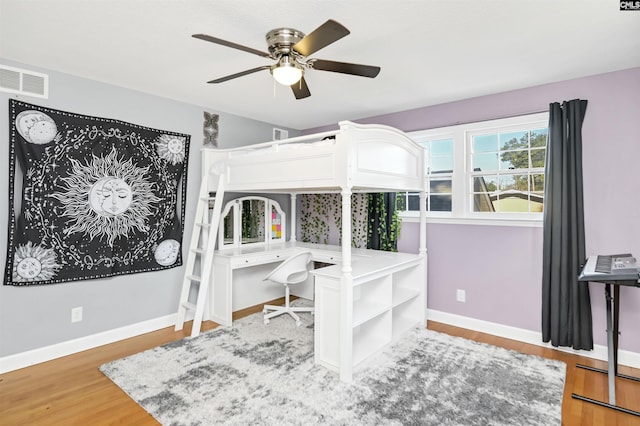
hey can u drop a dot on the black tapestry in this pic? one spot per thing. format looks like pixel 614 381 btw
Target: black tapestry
pixel 100 197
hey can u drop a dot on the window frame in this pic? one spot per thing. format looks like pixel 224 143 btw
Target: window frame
pixel 462 175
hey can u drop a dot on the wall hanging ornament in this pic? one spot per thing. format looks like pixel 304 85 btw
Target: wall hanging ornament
pixel 99 197
pixel 210 130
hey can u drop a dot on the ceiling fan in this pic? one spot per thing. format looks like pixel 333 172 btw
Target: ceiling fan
pixel 290 49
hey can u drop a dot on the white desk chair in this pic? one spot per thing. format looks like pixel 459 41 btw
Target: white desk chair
pixel 292 271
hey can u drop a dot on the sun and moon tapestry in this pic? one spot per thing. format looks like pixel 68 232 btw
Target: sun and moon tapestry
pixel 99 197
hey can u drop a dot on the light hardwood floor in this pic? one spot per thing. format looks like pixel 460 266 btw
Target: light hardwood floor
pixel 71 390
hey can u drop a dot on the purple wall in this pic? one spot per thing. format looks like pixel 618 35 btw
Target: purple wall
pixel 500 267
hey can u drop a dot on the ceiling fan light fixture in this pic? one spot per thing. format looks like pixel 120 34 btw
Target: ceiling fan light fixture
pixel 286 72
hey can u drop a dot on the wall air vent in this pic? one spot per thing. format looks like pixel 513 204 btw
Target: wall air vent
pixel 23 82
pixel 279 134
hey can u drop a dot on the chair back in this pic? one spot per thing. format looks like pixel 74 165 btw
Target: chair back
pixel 292 271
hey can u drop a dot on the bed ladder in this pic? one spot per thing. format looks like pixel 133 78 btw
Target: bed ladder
pixel 203 241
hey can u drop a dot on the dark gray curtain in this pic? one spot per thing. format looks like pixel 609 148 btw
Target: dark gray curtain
pixel 566 307
pixel 381 218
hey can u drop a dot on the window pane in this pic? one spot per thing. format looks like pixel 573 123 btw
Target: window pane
pixel 482 203
pixel 507 183
pixel 440 203
pixel 485 183
pixel 442 147
pixel 514 183
pixel 441 164
pixel 537 183
pixel 512 203
pixel 537 202
pixel 440 153
pixel 485 143
pixel 485 162
pixel 440 186
pixel 514 160
pixel 537 157
pixel 414 202
pixel 539 138
pixel 514 140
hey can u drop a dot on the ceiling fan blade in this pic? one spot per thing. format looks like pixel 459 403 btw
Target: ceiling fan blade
pixel 239 74
pixel 300 89
pixel 344 68
pixel 231 45
pixel 322 36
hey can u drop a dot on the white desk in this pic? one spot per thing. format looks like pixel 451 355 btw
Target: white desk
pixel 238 274
pixel 383 298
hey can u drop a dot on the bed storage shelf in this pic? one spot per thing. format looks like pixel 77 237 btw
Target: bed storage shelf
pixel 385 306
pixel 368 298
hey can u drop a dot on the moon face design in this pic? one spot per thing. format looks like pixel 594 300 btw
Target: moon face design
pixel 167 252
pixel 36 127
pixel 110 196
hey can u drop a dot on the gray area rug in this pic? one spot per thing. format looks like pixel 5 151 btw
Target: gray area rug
pixel 256 374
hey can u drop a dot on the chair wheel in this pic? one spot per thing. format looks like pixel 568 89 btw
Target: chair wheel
pixel 266 321
pixel 298 323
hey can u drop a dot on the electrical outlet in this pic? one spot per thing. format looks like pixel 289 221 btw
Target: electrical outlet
pixel 76 314
pixel 461 296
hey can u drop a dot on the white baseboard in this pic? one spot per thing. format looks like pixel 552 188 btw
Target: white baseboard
pixel 628 358
pixel 48 353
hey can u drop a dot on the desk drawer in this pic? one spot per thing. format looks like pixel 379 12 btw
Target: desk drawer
pixel 331 258
pixel 261 259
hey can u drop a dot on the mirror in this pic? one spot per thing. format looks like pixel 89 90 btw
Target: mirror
pixel 227 229
pixel 251 220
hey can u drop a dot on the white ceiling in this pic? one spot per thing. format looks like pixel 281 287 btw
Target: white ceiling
pixel 430 51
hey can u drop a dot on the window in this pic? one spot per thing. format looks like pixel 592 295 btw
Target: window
pixel 507 170
pixel 485 170
pixel 439 166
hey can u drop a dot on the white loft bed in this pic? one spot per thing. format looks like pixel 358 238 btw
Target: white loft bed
pixel 360 158
pixel 355 158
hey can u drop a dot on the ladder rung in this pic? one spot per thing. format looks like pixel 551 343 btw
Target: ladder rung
pixel 193 278
pixel 208 198
pixel 204 225
pixel 189 306
pixel 198 250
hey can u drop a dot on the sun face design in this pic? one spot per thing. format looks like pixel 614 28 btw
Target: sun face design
pixel 34 263
pixel 110 196
pixel 107 197
pixel 171 148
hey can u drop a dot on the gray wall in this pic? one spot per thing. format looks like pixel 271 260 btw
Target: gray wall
pixel 38 316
